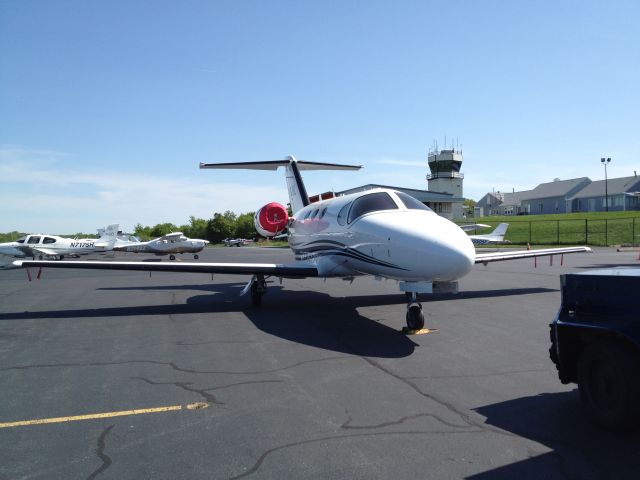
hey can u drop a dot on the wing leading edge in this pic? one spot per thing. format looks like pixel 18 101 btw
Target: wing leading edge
pixel 544 252
pixel 282 270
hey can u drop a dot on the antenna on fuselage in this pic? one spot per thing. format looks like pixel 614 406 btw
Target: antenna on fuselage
pixel 298 197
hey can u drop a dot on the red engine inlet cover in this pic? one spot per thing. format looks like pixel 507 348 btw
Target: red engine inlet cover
pixel 271 219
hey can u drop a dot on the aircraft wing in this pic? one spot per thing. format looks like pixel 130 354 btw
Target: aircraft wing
pixel 473 226
pixel 171 235
pixel 297 270
pixel 514 255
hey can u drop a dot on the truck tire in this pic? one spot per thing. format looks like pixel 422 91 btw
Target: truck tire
pixel 609 384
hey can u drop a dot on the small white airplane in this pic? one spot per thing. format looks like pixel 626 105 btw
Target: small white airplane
pixel 497 236
pixel 380 232
pixel 169 244
pixel 54 247
pixel 236 242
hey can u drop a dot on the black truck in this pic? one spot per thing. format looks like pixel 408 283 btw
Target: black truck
pixel 595 342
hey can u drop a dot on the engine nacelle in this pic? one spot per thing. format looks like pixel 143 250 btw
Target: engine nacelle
pixel 271 219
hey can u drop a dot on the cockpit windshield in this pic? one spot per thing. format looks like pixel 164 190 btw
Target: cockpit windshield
pixel 371 203
pixel 412 203
pixel 21 239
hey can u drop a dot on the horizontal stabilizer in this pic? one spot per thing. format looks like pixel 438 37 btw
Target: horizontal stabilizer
pixel 274 164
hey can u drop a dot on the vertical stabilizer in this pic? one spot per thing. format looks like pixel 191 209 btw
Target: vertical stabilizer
pixel 298 196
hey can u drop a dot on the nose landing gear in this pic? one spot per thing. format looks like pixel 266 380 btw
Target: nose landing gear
pixel 415 317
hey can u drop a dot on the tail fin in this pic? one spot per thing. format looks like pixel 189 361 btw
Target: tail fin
pixel 111 231
pixel 108 236
pixel 298 197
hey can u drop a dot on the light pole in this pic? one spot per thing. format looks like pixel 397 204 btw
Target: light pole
pixel 604 161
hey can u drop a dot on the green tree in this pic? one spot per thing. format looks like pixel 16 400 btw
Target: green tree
pixel 142 232
pixel 197 228
pixel 162 229
pixel 468 205
pixel 221 226
pixel 245 227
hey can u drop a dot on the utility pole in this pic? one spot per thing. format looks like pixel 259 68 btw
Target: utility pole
pixel 604 161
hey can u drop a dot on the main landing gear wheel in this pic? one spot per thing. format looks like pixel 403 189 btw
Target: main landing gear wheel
pixel 415 317
pixel 258 288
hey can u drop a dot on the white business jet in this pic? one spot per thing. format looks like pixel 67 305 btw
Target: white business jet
pixel 497 236
pixel 378 232
pixel 169 244
pixel 54 247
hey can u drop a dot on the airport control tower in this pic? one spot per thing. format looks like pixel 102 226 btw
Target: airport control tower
pixel 445 173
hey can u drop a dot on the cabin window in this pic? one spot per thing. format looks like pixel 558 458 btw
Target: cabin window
pixel 342 214
pixel 33 240
pixel 49 240
pixel 412 203
pixel 374 202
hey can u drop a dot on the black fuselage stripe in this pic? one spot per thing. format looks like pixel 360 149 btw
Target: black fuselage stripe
pixel 301 189
pixel 353 254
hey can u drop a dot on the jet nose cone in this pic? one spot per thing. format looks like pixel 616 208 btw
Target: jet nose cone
pixel 458 248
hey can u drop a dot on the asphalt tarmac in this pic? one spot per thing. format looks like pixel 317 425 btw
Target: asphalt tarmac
pixel 317 383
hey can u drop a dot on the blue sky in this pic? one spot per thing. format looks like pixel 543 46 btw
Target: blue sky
pixel 106 108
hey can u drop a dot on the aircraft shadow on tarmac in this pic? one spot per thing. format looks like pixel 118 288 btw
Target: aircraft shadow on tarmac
pixel 308 317
pixel 579 449
pixel 610 265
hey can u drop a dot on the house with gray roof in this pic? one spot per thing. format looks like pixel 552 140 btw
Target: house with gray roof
pixel 620 194
pixel 553 197
pixel 489 204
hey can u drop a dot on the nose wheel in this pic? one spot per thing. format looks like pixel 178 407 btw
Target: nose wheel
pixel 415 317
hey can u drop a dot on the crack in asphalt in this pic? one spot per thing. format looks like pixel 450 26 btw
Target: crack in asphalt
pixel 469 421
pixel 256 466
pixel 346 425
pixel 479 375
pixel 106 460
pixel 174 366
pixel 204 392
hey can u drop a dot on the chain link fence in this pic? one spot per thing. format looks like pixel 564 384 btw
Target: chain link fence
pixel 603 232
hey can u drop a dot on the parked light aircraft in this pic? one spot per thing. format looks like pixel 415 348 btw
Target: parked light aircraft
pixel 169 244
pixel 236 242
pixel 497 236
pixel 378 232
pixel 53 246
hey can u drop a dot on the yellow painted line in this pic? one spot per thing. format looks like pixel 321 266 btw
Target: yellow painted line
pixel 94 416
